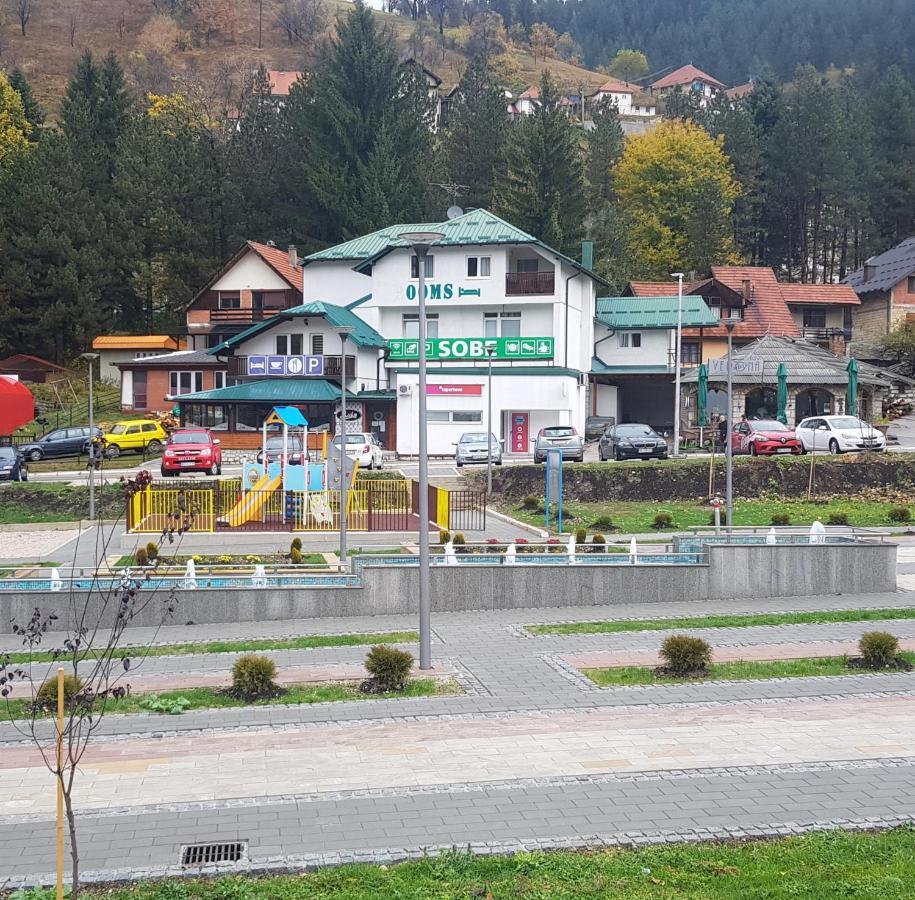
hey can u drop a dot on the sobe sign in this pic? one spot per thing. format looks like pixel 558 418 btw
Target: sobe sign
pixel 472 348
pixel 286 365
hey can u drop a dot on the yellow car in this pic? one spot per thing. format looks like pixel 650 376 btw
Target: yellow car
pixel 134 434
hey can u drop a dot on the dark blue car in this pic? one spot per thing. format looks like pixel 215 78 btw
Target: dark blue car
pixel 69 441
pixel 13 466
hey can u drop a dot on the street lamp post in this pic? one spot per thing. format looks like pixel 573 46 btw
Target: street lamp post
pixel 729 323
pixel 89 357
pixel 490 350
pixel 420 242
pixel 344 331
pixel 679 277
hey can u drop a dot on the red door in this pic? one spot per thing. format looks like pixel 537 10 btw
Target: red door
pixel 520 437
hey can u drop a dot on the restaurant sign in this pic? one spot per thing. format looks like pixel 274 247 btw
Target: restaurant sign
pixel 440 349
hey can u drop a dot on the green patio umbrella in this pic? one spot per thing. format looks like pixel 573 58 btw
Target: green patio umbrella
pixel 851 393
pixel 702 396
pixel 782 399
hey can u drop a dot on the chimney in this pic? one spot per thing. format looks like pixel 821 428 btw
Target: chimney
pixel 293 256
pixel 587 254
pixel 745 290
pixel 870 270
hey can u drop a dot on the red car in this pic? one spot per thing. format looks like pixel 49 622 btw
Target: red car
pixel 765 437
pixel 191 450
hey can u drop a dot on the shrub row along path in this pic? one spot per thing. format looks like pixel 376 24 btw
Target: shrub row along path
pixel 528 756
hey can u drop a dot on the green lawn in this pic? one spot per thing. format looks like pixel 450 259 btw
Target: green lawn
pixel 735 671
pixel 53 502
pixel 793 618
pixel 79 464
pixel 296 695
pixel 309 642
pixel 873 866
pixel 637 517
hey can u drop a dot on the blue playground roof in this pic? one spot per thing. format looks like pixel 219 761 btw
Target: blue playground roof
pixel 290 416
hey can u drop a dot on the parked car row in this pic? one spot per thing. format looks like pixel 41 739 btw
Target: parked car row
pixel 139 435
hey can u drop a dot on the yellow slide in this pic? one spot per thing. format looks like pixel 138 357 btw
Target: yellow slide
pixel 253 500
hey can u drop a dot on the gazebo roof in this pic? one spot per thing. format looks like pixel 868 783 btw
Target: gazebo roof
pixel 807 364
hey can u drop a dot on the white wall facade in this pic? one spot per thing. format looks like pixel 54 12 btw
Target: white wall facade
pixel 250 273
pixel 656 347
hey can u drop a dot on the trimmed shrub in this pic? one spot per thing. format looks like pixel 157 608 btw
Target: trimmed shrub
pixel 605 523
pixel 296 544
pixel 46 696
pixel 295 556
pixel 458 542
pixel 530 502
pixel 140 557
pixel 837 519
pixel 152 551
pixel 598 543
pixel 780 519
pixel 581 535
pixel 389 667
pixel 662 520
pixel 686 655
pixel 878 649
pixel 899 514
pixel 444 536
pixel 253 676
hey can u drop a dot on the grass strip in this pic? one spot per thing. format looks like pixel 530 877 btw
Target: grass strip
pixel 811 867
pixel 295 695
pixel 738 670
pixel 309 642
pixel 735 621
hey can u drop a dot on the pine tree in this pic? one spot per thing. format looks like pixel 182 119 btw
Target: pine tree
pixel 543 191
pixel 604 149
pixel 473 144
pixel 34 114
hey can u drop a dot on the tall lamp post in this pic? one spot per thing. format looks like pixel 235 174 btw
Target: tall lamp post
pixel 89 357
pixel 490 350
pixel 679 277
pixel 729 323
pixel 421 241
pixel 344 331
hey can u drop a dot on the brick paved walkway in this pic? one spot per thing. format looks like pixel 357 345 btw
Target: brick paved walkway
pixel 529 754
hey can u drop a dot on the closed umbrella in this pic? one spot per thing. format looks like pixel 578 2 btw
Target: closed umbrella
pixel 702 396
pixel 851 394
pixel 782 399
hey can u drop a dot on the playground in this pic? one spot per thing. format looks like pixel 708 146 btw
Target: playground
pixel 287 491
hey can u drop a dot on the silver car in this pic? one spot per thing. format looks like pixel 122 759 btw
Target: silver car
pixel 559 437
pixel 471 448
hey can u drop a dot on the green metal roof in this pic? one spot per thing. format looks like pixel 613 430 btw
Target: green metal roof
pixel 652 312
pixel 496 370
pixel 269 390
pixel 363 334
pixel 359 302
pixel 382 394
pixel 599 367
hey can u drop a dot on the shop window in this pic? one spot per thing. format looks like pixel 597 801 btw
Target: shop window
pixel 761 403
pixel 428 268
pixel 455 415
pixel 411 325
pixel 479 266
pixel 184 383
pixel 814 318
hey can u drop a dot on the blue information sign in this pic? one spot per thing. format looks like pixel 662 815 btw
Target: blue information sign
pixel 294 366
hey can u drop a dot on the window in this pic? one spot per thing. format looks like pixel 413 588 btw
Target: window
pixel 714 307
pixel 133 429
pixel 478 266
pixel 457 415
pixel 689 354
pixel 411 325
pixel 428 269
pixel 630 339
pixel 911 284
pixel 229 301
pixel 814 318
pixel 506 324
pixel 296 343
pixel 184 382
pixel 149 426
pixel 257 300
pixel 317 345
pixel 282 345
pixel 139 389
pixel 526 265
pixel 219 380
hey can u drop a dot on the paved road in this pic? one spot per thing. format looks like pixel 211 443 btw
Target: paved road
pixel 530 754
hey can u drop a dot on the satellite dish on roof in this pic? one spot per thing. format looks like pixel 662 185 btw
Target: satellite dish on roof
pixel 454 212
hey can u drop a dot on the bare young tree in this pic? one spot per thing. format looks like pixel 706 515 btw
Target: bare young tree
pixel 74 14
pixel 92 621
pixel 302 21
pixel 24 12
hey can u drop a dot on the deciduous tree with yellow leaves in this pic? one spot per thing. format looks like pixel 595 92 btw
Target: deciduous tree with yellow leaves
pixel 677 188
pixel 14 126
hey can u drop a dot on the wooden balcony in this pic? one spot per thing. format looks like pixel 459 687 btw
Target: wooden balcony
pixel 825 334
pixel 240 316
pixel 520 284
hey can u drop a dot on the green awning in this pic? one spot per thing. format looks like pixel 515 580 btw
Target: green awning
pixel 269 390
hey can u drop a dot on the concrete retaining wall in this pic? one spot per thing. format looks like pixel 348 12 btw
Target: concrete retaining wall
pixel 732 572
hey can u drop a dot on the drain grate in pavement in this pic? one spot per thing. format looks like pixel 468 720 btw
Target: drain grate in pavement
pixel 210 854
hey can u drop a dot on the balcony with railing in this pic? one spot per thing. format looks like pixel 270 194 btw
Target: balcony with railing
pixel 520 284
pixel 825 334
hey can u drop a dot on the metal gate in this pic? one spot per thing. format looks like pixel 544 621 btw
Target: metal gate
pixel 466 511
pixel 388 504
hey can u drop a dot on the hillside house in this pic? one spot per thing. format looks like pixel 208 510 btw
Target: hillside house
pixel 689 78
pixel 627 97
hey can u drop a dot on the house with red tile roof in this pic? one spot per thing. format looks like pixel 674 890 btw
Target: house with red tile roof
pixel 628 98
pixel 739 91
pixel 689 78
pixel 281 81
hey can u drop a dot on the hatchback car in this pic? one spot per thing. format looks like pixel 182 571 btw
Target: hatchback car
pixel 362 447
pixel 839 434
pixel 473 447
pixel 559 437
pixel 294 451
pixel 631 441
pixel 139 435
pixel 765 437
pixel 59 442
pixel 191 450
pixel 13 466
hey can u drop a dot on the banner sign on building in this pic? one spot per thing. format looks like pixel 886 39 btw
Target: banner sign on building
pixel 718 368
pixel 286 365
pixel 407 349
pixel 454 390
pixel 439 290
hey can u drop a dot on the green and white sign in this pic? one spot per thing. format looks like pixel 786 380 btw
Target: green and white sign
pixel 439 349
pixel 441 290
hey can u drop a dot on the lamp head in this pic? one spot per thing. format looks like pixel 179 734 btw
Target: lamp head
pixel 421 240
pixel 89 356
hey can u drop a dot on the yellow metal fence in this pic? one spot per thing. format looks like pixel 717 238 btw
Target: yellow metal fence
pixel 157 509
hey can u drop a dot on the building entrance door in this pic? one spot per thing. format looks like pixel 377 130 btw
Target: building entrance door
pixel 380 420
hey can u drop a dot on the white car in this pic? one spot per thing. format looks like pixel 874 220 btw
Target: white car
pixel 361 447
pixel 839 434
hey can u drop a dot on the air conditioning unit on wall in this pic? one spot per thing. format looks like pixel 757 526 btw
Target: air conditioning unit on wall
pixel 404 390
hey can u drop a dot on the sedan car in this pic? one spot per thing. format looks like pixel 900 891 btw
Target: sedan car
pixel 839 434
pixel 59 442
pixel 473 447
pixel 362 447
pixel 765 437
pixel 139 435
pixel 631 441
pixel 559 437
pixel 191 450
pixel 295 453
pixel 13 466
pixel 595 426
